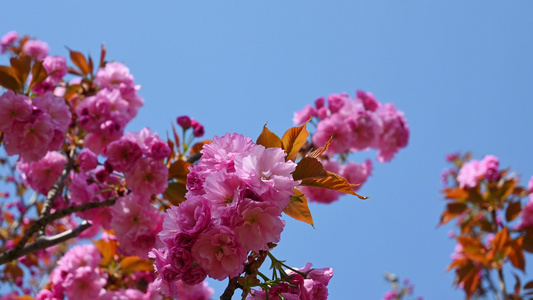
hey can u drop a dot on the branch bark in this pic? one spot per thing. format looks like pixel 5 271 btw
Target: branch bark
pixel 233 284
pixel 43 221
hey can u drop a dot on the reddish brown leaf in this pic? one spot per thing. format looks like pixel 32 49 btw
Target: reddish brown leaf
pixel 199 146
pixel 332 182
pixel 516 255
pixel 293 140
pixel 456 194
pixel 268 139
pixel 309 167
pixel 298 208
pixel 102 56
pixel 79 60
pixel 131 264
pixel 506 189
pixel 527 244
pixel 21 66
pixel 179 170
pixel 528 285
pixel 38 74
pixel 513 210
pixel 176 137
pixel 171 145
pixel 318 151
pixel 9 80
pixel 175 193
pixel 25 297
pixel 73 71
pixel 501 238
pixel 453 210
pixel 91 64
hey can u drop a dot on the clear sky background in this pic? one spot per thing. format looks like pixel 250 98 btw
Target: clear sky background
pixel 460 70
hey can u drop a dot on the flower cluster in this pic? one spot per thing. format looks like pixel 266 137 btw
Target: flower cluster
pixel 357 124
pixel 473 171
pixel 105 115
pixel 41 175
pixel 236 193
pixel 33 126
pixel 305 283
pixel 78 276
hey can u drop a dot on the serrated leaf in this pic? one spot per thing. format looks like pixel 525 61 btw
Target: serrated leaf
pixel 298 208
pixel 175 192
pixel 131 264
pixel 8 79
pixel 79 60
pixel 332 182
pixel 269 139
pixel 318 151
pixel 293 140
pixel 513 211
pixel 309 167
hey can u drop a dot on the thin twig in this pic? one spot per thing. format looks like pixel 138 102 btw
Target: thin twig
pixel 44 220
pixel 44 242
pixel 233 284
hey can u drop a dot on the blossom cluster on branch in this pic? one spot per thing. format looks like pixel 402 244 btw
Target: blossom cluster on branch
pixel 157 216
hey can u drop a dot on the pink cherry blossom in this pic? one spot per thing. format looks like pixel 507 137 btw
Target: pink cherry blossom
pixel 304 115
pixel 357 173
pixel 7 40
pixel 526 215
pixel 147 177
pixel 13 107
pixel 470 173
pixel 36 49
pixel 395 132
pixel 123 154
pixel 199 291
pixel 491 165
pixel 41 175
pixel 113 75
pixel 219 252
pixel 192 216
pixel 87 160
pixel 84 283
pixel 336 127
pixel 369 101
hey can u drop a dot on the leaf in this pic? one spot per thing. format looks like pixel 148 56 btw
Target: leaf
pixel 517 285
pixel 38 74
pixel 298 208
pixel 309 167
pixel 293 140
pixel 456 194
pixel 527 244
pixel 8 79
pixel 179 170
pixel 453 210
pixel 25 297
pixel 269 139
pixel 107 249
pixel 516 256
pixel 102 56
pixel 500 239
pixel 332 182
pixel 199 146
pixel 131 264
pixel 91 64
pixel 79 60
pixel 176 137
pixel 506 189
pixel 175 192
pixel 528 285
pixel 318 151
pixel 513 210
pixel 21 66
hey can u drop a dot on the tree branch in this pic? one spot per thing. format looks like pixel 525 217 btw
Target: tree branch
pixel 46 219
pixel 233 284
pixel 44 242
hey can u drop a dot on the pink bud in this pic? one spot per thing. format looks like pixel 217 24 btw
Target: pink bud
pixel 184 122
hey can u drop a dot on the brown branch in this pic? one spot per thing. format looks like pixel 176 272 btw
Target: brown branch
pixel 233 284
pixel 47 219
pixel 44 242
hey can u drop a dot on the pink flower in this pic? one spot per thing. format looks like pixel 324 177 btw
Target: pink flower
pixel 123 154
pixel 136 224
pixel 184 122
pixel 470 174
pixel 42 175
pixel 257 224
pixel 357 173
pixel 36 49
pixel 366 128
pixel 165 281
pixel 220 253
pixel 88 160
pixel 199 291
pixel 7 40
pixel 304 115
pixel 323 195
pixel 491 165
pixel 194 275
pixel 113 75
pixel 369 101
pixel 526 215
pixel 192 216
pixel 84 283
pixel 13 107
pixel 56 108
pixel 147 177
pixel 336 127
pixel 337 101
pixel 395 132
pixel 220 153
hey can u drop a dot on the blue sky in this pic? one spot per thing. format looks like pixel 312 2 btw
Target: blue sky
pixel 461 71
